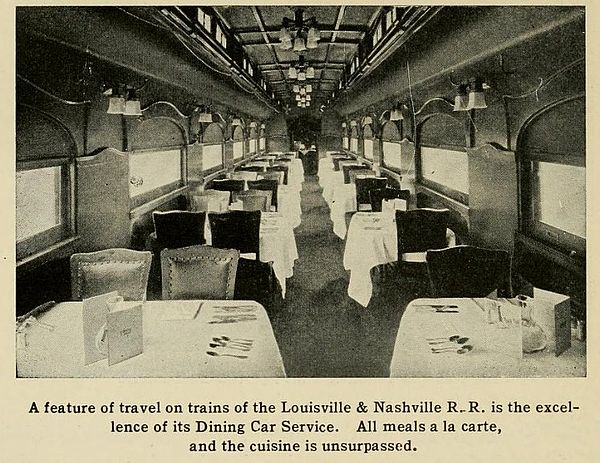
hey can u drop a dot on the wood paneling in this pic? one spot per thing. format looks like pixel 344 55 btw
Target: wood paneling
pixel 493 200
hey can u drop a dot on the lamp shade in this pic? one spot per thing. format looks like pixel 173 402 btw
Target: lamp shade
pixel 236 122
pixel 296 88
pixel 285 39
pixel 307 103
pixel 301 75
pixel 132 108
pixel 476 100
pixel 312 38
pixel 461 103
pixel 396 115
pixel 367 120
pixel 302 91
pixel 308 88
pixel 343 125
pixel 292 73
pixel 298 97
pixel 352 123
pixel 299 44
pixel 308 98
pixel 116 105
pixel 310 72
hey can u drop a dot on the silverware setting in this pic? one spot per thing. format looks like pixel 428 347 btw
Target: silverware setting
pixel 439 308
pixel 452 339
pixel 235 344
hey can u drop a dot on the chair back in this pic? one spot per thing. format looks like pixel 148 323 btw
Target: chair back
pixel 244 175
pixel 101 272
pixel 236 230
pixel 347 168
pixel 256 281
pixel 468 271
pixel 337 160
pixel 253 200
pixel 377 196
pixel 198 272
pixel 250 168
pixel 210 201
pixel 280 167
pixel 176 229
pixel 419 230
pixel 278 176
pixel 227 184
pixel 364 172
pixel 366 184
pixel 266 185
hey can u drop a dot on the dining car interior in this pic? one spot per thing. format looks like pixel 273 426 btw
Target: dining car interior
pixel 300 191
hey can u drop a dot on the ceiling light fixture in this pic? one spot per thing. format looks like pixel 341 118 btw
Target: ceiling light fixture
pixel 299 34
pixel 301 71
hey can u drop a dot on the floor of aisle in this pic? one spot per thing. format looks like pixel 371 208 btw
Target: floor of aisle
pixel 321 331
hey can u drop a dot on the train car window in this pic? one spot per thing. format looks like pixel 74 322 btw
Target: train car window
pixel 391 137
pixel 368 142
pixel 212 157
pixel 212 148
pixel 153 173
pixel 553 177
pixel 262 142
pixel 354 140
pixel 42 203
pixel 238 143
pixel 252 146
pixel 443 161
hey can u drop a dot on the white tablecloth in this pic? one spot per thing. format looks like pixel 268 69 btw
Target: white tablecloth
pixel 288 204
pixel 372 240
pixel 343 200
pixel 295 174
pixel 277 244
pixel 493 347
pixel 172 348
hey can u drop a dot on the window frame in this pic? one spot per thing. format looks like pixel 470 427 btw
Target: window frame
pixel 45 240
pixel 385 138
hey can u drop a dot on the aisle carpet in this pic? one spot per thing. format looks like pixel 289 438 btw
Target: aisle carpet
pixel 321 331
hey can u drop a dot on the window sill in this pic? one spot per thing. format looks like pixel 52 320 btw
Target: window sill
pixel 58 250
pixel 153 204
pixel 457 205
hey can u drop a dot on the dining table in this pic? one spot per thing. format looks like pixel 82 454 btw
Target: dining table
pixel 181 339
pixel 372 240
pixel 277 244
pixel 456 338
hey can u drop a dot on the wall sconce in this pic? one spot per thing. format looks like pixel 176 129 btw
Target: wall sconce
pixel 343 125
pixel 123 100
pixel 116 105
pixel 205 116
pixel 396 112
pixel 461 100
pixel 476 95
pixel 353 124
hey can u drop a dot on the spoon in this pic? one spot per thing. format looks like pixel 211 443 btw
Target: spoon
pixel 217 354
pixel 452 338
pixel 226 338
pixel 455 339
pixel 463 350
pixel 237 347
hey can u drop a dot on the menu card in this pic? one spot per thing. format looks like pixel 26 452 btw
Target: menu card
pixel 552 311
pixel 111 329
